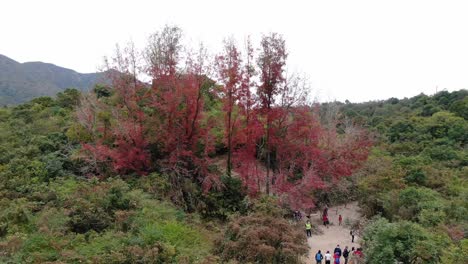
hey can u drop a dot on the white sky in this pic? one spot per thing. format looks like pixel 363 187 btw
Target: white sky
pixel 351 49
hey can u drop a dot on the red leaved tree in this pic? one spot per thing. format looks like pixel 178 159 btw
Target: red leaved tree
pixel 276 142
pixel 282 148
pixel 230 73
pixel 181 130
pixel 271 63
pixel 119 129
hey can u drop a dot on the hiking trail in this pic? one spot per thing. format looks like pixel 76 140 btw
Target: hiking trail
pixel 334 234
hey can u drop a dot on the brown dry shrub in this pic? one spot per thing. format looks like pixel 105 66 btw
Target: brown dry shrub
pixel 261 238
pixel 10 246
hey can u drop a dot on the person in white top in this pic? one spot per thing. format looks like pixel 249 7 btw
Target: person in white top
pixel 328 257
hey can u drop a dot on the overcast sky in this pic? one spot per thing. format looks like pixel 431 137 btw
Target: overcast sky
pixel 351 49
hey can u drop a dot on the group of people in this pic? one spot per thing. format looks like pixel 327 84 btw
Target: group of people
pixel 326 222
pixel 354 256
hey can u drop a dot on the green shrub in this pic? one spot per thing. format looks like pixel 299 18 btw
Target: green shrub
pixel 15 216
pixel 225 201
pixel 52 220
pixel 38 248
pixel 421 204
pixel 416 176
pixel 95 244
pixel 406 242
pixel 456 253
pixel 85 216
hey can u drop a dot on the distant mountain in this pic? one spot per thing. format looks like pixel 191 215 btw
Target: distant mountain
pixel 20 82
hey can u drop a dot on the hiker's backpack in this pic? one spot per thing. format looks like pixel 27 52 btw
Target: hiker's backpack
pixel 345 253
pixel 318 257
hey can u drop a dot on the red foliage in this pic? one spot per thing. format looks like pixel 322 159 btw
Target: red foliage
pixel 271 62
pixel 283 143
pixel 181 127
pixel 123 144
pixel 276 142
pixel 231 77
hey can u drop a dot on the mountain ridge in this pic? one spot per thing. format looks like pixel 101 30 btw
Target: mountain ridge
pixel 21 82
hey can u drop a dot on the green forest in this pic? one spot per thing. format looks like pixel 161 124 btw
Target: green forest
pixel 188 168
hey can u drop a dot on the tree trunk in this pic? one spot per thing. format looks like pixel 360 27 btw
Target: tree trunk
pixel 229 162
pixel 267 147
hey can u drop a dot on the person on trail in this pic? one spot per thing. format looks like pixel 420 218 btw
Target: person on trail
pixel 337 258
pixel 346 255
pixel 352 257
pixel 337 250
pixel 308 227
pixel 325 220
pixel 328 257
pixel 319 257
pixel 325 210
pixel 340 219
pixel 358 256
pixel 352 233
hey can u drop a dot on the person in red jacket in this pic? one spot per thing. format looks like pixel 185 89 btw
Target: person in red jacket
pixel 336 256
pixel 325 220
pixel 358 256
pixel 340 219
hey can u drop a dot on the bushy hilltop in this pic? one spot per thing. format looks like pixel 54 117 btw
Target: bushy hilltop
pixel 416 178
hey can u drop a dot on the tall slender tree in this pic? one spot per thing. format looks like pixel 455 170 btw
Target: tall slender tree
pixel 230 74
pixel 271 63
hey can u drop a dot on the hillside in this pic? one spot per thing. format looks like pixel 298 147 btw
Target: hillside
pixel 21 82
pixel 201 167
pixel 50 210
pixel 414 187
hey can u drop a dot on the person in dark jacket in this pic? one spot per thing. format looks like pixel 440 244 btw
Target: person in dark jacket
pixel 346 255
pixel 337 250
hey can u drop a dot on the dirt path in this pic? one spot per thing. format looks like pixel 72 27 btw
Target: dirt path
pixel 334 234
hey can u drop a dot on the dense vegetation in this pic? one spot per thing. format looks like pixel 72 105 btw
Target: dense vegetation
pixel 50 213
pixel 203 167
pixel 124 173
pixel 415 182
